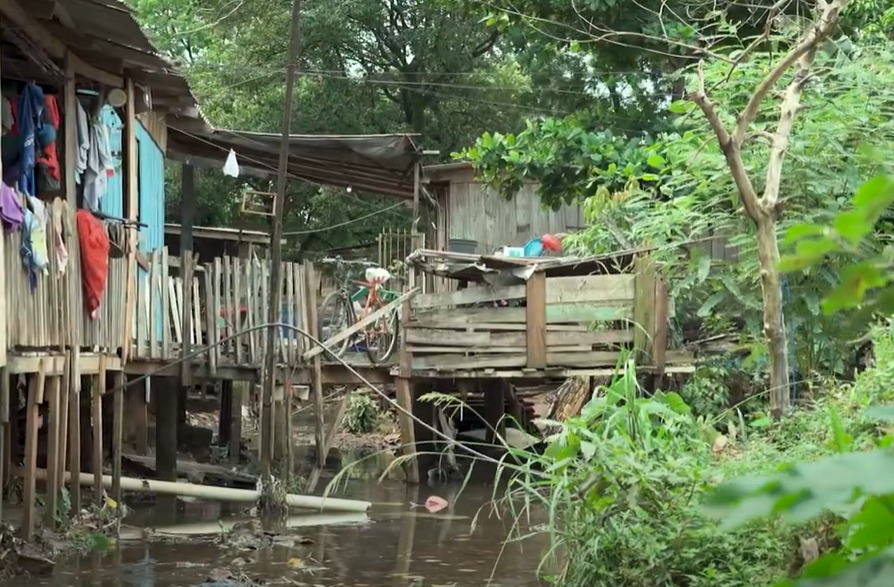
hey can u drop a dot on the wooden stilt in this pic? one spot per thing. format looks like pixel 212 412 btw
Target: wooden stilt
pixel 235 440
pixel 54 442
pixel 99 388
pixel 64 415
pixel 137 414
pixel 407 431
pixel 166 407
pixel 4 433
pixel 117 436
pixel 494 409
pixel 74 433
pixel 35 396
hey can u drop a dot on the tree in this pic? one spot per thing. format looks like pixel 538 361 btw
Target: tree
pixel 763 210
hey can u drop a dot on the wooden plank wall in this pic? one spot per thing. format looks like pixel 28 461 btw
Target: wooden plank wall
pixel 584 322
pixel 474 212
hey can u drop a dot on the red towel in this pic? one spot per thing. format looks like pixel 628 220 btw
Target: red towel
pixel 94 240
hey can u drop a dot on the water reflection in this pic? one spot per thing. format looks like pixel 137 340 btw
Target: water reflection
pixel 398 545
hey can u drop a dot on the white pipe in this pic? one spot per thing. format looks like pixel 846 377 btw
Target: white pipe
pixel 208 528
pixel 210 492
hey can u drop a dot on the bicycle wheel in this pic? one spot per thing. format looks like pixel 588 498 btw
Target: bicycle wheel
pixel 381 337
pixel 335 315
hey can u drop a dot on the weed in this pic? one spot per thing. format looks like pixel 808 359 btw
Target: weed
pixel 362 415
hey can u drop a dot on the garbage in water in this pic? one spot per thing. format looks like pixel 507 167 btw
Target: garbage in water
pixel 435 504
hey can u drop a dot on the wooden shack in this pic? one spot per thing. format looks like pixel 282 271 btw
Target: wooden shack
pixel 467 209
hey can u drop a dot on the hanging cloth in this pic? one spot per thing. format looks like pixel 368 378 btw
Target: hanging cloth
pixel 100 166
pixel 11 212
pixel 83 142
pixel 40 219
pixel 29 122
pixel 49 177
pixel 60 210
pixel 94 242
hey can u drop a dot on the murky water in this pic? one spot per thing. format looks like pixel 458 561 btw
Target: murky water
pixel 398 545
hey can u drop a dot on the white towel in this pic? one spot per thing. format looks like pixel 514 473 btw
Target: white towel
pixel 83 142
pixel 99 166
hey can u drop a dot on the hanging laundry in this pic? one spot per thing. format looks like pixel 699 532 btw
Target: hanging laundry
pixel 11 212
pixel 49 177
pixel 83 142
pixel 60 212
pixel 34 240
pixel 94 242
pixel 99 164
pixel 30 124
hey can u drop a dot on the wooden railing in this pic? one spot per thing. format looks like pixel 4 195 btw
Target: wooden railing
pixel 229 299
pixel 547 323
pixel 36 319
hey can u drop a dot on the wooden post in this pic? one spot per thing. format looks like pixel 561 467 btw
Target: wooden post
pixel 164 395
pixel 494 409
pixel 131 211
pixel 316 374
pixel 535 315
pixel 99 389
pixel 235 438
pixel 274 307
pixel 407 430
pixel 36 388
pixel 643 309
pixel 118 436
pixel 187 213
pixel 4 429
pixel 137 410
pixel 54 442
pixel 74 309
pixel 659 328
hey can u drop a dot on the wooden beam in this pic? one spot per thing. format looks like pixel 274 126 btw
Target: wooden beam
pixel 359 325
pixel 187 215
pixel 32 415
pixel 316 375
pixel 118 437
pixel 99 388
pixel 54 447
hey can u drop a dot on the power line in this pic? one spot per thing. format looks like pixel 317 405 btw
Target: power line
pixel 345 223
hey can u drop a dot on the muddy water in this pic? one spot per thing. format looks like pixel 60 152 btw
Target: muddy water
pixel 398 545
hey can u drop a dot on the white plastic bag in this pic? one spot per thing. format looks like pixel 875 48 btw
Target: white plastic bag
pixel 377 275
pixel 231 167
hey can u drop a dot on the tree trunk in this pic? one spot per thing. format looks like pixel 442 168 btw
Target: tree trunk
pixel 774 319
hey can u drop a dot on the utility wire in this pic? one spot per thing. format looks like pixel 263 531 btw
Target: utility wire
pixel 345 223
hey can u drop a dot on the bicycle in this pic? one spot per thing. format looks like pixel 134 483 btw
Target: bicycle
pixel 342 309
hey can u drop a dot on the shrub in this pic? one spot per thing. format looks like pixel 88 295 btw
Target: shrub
pixel 362 415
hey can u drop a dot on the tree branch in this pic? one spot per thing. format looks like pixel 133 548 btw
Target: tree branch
pixel 485 45
pixel 731 150
pixel 830 11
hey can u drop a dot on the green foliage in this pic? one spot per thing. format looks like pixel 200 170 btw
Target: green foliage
pixel 362 415
pixel 856 486
pixel 622 485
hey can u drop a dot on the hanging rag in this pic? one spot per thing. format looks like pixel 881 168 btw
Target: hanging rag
pixel 49 176
pixel 41 219
pixel 11 212
pixel 94 242
pixel 60 212
pixel 100 166
pixel 83 141
pixel 30 123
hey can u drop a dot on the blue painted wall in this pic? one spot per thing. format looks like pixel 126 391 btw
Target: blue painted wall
pixel 151 173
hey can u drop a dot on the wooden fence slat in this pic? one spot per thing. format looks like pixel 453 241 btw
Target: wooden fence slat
pixel 154 278
pixel 237 309
pixel 165 304
pixel 217 305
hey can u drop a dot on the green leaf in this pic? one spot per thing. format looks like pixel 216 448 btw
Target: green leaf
pixel 856 280
pixel 853 226
pixel 713 300
pixel 655 160
pixel 874 197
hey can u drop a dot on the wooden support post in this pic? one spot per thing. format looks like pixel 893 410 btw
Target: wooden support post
pixel 316 374
pixel 4 429
pixel 118 436
pixel 64 415
pixel 660 328
pixel 74 436
pixel 131 212
pixel 54 446
pixel 137 411
pixel 494 409
pixel 36 388
pixel 187 213
pixel 99 388
pixel 644 309
pixel 225 420
pixel 407 428
pixel 166 407
pixel 235 439
pixel 535 315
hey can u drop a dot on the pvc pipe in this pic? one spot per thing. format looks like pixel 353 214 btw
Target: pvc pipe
pixel 210 492
pixel 209 528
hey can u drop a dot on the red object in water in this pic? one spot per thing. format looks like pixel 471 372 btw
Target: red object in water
pixel 94 242
pixel 434 504
pixel 551 243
